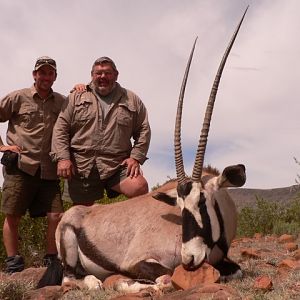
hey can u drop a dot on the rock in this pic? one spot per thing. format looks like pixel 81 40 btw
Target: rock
pixel 270 238
pixel 297 254
pixel 205 291
pixel 29 275
pixel 286 238
pixel 263 283
pixel 289 264
pixel 183 279
pixel 250 253
pixel 146 295
pixel 291 246
pixel 46 293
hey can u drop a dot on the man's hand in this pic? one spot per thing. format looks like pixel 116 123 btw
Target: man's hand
pixel 79 87
pixel 133 167
pixel 65 168
pixel 13 148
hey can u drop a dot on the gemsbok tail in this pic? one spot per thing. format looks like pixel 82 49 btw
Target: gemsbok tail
pixel 53 274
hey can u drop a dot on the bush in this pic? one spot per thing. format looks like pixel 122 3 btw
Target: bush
pixel 268 217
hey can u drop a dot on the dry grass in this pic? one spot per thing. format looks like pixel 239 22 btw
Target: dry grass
pixel 286 282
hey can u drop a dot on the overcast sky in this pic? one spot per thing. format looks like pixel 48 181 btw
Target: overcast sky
pixel 256 115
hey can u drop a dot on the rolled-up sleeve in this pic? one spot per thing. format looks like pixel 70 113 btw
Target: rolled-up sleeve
pixel 5 112
pixel 60 147
pixel 141 134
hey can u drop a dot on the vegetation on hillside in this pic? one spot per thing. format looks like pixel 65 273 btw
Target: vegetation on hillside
pixel 268 217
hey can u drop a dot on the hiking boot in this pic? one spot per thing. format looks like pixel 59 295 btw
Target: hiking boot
pixel 14 264
pixel 48 259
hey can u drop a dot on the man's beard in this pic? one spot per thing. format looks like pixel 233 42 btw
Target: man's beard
pixel 104 91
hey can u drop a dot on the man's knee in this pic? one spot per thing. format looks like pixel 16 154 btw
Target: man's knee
pixel 54 217
pixel 139 187
pixel 12 220
pixel 143 187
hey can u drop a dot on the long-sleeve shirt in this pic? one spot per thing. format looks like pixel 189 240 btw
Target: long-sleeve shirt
pixel 30 124
pixel 87 137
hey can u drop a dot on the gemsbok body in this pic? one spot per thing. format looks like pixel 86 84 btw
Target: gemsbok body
pixel 194 221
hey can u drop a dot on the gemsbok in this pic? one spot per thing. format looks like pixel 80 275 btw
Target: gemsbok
pixel 194 221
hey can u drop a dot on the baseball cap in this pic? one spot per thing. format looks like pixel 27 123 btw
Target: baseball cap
pixel 103 59
pixel 44 60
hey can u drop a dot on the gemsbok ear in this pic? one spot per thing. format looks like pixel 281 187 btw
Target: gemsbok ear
pixel 233 176
pixel 166 198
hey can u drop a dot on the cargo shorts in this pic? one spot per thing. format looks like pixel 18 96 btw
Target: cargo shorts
pixel 89 189
pixel 22 192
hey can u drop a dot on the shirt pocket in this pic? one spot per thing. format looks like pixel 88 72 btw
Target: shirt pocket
pixel 124 129
pixel 83 112
pixel 29 117
pixel 125 116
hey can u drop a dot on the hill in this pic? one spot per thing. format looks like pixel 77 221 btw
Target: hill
pixel 247 197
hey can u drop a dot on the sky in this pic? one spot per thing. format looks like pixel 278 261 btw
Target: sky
pixel 256 116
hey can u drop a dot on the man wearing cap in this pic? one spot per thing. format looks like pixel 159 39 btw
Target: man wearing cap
pixel 30 179
pixel 92 138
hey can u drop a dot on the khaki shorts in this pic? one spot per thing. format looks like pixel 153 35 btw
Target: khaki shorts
pixel 22 192
pixel 90 189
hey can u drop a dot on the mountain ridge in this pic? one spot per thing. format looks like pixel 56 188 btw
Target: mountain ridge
pixel 247 196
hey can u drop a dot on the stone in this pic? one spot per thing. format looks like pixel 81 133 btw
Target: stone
pixel 205 291
pixel 297 254
pixel 263 283
pixel 136 296
pixel 250 253
pixel 286 238
pixel 28 275
pixel 291 246
pixel 183 279
pixel 289 264
pixel 45 293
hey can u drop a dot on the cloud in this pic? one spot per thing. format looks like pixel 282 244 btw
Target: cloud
pixel 255 120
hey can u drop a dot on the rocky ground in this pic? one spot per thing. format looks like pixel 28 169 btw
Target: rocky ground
pixel 271 267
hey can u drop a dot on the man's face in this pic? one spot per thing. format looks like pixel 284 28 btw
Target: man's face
pixel 44 78
pixel 104 78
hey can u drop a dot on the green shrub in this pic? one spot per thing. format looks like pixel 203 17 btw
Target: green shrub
pixel 268 217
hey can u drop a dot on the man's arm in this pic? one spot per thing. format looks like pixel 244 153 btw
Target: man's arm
pixel 60 148
pixel 8 105
pixel 141 134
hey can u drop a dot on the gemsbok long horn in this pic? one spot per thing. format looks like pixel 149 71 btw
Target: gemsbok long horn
pixel 177 135
pixel 199 160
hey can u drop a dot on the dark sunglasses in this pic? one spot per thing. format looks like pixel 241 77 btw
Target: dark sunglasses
pixel 43 61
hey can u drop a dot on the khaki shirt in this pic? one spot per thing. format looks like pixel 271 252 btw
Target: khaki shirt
pixel 84 136
pixel 30 124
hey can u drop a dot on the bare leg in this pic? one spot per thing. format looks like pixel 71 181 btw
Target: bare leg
pixel 132 187
pixel 53 220
pixel 10 234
